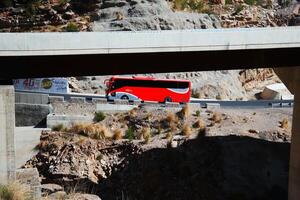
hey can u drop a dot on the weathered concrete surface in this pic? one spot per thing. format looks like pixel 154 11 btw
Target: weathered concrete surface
pixel 27 138
pixel 31 114
pixel 67 120
pixel 30 177
pixel 112 108
pixel 32 98
pixel 7 139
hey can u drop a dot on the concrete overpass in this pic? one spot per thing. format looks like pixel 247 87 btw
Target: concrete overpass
pixel 25 55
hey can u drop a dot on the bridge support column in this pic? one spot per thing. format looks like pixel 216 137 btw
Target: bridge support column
pixel 7 131
pixel 291 78
pixel 294 173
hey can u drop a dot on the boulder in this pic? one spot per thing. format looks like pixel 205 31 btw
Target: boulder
pixel 276 91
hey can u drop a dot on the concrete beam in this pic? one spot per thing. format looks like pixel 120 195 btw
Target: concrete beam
pixel 7 131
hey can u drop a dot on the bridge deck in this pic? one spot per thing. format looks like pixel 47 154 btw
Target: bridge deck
pixel 98 53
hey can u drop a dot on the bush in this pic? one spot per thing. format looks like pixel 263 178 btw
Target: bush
pixel 198 113
pixel 58 127
pixel 284 123
pixel 193 5
pixel 186 130
pixel 129 133
pixel 95 131
pixel 99 116
pixel 14 191
pixel 72 27
pixel 216 117
pixel 118 134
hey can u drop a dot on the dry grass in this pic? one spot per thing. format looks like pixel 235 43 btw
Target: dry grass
pixel 81 140
pixel 169 136
pixel 284 123
pixel 15 191
pixel 171 118
pixel 133 112
pixel 146 134
pixel 186 130
pixel 95 131
pixel 216 117
pixel 42 145
pixel 59 127
pixel 200 123
pixel 185 112
pixel 118 134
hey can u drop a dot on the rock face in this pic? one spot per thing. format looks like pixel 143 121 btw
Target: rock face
pixel 136 15
pixel 232 84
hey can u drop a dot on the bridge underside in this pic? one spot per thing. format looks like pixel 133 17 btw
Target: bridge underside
pixel 106 64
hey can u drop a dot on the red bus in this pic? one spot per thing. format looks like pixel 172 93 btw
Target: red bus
pixel 148 89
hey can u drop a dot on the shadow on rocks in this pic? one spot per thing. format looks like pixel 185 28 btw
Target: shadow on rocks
pixel 207 168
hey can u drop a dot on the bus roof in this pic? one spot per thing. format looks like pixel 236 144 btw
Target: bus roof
pixel 147 78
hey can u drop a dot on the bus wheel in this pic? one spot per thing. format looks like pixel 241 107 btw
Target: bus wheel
pixel 125 97
pixel 168 99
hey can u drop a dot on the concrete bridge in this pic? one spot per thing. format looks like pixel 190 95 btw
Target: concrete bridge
pixel 24 55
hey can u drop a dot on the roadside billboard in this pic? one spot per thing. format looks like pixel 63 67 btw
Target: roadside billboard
pixel 47 85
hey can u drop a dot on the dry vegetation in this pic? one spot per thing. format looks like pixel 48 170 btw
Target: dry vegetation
pixel 284 123
pixel 118 134
pixel 186 130
pixel 216 117
pixel 15 191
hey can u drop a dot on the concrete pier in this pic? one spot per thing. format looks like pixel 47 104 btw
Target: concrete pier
pixel 294 173
pixel 7 139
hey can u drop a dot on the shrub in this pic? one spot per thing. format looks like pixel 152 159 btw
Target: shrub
pixel 186 130
pixel 216 117
pixel 169 136
pixel 171 117
pixel 133 112
pixel 58 127
pixel 198 113
pixel 146 134
pixel 284 123
pixel 129 133
pixel 185 111
pixel 118 134
pixel 200 124
pixel 250 2
pixel 99 116
pixel 238 8
pixel 72 27
pixel 15 191
pixel 193 5
pixel 95 131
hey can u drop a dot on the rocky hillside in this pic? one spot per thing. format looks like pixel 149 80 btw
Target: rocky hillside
pixel 232 84
pixel 190 154
pixel 114 15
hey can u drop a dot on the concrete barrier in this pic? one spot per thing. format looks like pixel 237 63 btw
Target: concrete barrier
pixel 212 105
pixel 113 108
pixel 53 99
pixel 77 100
pixel 32 98
pixel 67 120
pixel 99 100
pixel 31 114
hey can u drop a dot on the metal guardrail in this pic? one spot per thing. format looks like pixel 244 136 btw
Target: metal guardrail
pixel 80 97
